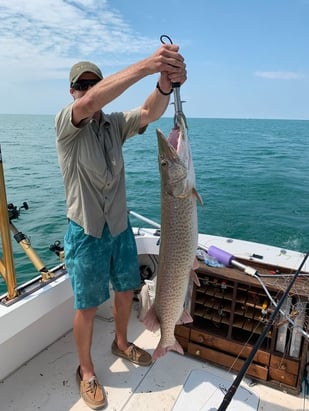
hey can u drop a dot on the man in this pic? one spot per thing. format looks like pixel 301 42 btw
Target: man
pixel 99 244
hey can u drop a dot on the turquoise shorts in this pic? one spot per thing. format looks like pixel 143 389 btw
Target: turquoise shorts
pixel 93 263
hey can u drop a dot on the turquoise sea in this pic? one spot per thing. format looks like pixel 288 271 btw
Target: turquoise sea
pixel 253 176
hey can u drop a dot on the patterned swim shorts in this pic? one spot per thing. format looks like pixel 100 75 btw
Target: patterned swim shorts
pixel 93 263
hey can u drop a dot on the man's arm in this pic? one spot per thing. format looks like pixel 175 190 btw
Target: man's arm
pixel 156 104
pixel 165 59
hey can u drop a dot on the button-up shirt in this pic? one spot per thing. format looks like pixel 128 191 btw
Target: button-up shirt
pixel 91 161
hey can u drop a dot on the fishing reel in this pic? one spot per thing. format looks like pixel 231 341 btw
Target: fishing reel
pixel 57 249
pixel 145 273
pixel 14 211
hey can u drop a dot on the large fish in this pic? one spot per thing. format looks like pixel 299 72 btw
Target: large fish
pixel 179 236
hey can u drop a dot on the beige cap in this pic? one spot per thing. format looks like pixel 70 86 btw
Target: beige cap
pixel 82 67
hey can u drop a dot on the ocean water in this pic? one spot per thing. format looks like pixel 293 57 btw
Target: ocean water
pixel 253 176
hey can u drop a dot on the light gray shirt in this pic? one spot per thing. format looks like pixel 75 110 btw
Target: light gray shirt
pixel 91 161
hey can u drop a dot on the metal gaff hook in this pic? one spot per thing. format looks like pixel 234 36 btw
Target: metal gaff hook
pixel 175 86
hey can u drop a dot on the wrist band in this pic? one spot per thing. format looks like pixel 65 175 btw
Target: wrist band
pixel 162 92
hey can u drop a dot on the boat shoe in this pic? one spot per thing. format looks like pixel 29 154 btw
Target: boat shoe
pixel 91 391
pixel 133 353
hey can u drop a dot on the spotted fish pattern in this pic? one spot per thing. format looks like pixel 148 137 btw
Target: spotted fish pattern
pixel 179 237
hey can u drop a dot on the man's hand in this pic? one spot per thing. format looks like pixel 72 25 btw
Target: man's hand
pixel 167 59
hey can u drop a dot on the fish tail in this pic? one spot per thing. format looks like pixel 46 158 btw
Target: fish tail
pixel 160 351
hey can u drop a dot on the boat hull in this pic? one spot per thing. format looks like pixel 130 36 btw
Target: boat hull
pixel 33 323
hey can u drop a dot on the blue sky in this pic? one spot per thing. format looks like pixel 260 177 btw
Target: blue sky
pixel 245 58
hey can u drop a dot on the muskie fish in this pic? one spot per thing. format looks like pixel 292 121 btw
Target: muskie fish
pixel 179 237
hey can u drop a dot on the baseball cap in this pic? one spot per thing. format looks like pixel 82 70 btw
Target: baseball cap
pixel 79 68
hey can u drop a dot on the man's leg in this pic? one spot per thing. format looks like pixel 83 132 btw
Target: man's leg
pixel 90 389
pixel 83 331
pixel 125 276
pixel 121 347
pixel 122 311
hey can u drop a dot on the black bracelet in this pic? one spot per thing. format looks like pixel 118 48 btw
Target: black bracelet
pixel 162 92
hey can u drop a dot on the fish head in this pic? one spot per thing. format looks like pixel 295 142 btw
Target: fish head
pixel 173 169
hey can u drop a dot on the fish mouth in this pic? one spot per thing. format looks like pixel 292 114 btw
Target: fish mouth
pixel 166 150
pixel 173 171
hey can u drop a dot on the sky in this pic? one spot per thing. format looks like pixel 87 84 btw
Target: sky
pixel 245 58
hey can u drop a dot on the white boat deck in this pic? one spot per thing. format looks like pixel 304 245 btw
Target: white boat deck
pixel 47 382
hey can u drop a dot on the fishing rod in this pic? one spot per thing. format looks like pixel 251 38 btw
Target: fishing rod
pixel 7 267
pixel 231 391
pixel 9 212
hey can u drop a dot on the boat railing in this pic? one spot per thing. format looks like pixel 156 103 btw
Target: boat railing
pixel 144 219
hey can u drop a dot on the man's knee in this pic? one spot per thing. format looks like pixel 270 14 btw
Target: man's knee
pixel 86 314
pixel 123 297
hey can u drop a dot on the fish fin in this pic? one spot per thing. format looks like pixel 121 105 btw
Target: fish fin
pixel 195 264
pixel 195 278
pixel 185 318
pixel 161 351
pixel 197 195
pixel 151 321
